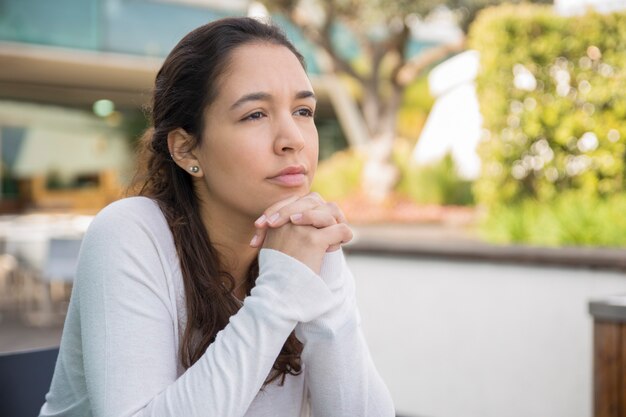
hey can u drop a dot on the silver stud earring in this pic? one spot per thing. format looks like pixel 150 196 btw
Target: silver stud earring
pixel 194 169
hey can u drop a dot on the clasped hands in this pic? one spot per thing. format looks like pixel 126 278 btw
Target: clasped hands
pixel 304 228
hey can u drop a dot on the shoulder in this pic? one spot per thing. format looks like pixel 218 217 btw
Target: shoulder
pixel 130 207
pixel 140 210
pixel 131 219
pixel 126 253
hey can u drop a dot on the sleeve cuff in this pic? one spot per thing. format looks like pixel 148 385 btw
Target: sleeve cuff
pixel 331 270
pixel 295 290
pixel 338 277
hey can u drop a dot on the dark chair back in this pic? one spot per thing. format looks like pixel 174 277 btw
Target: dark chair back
pixel 25 380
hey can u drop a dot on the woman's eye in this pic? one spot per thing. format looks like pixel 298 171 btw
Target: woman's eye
pixel 304 112
pixel 254 116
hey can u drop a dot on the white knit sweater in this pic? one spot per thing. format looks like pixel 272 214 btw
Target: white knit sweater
pixel 119 350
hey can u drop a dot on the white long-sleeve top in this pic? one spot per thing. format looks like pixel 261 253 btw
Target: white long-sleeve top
pixel 119 353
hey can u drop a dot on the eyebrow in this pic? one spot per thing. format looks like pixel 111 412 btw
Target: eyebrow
pixel 261 96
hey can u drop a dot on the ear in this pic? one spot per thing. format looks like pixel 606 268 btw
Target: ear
pixel 180 145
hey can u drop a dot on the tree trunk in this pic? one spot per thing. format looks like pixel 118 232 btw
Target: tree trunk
pixel 380 175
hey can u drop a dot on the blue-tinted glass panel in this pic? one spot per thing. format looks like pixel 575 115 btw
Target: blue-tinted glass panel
pixel 140 27
pixel 68 23
pixel 12 139
pixel 150 28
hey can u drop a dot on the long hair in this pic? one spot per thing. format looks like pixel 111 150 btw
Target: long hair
pixel 185 85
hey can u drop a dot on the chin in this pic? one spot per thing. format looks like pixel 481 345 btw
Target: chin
pixel 284 194
pixel 298 192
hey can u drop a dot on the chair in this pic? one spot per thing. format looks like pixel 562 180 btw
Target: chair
pixel 54 280
pixel 62 259
pixel 9 283
pixel 24 381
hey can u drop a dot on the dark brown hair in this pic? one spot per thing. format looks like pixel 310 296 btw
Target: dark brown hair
pixel 185 85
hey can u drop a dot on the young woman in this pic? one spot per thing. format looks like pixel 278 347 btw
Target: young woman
pixel 221 290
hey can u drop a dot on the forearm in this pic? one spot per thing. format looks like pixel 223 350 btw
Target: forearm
pixel 225 380
pixel 341 376
pixel 233 369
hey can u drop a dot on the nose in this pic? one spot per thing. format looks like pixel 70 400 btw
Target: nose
pixel 289 135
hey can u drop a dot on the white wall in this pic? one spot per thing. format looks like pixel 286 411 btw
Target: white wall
pixel 469 339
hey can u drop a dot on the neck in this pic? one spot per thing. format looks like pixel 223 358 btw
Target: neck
pixel 230 234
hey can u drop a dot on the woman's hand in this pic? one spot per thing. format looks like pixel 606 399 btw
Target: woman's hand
pixel 310 210
pixel 302 227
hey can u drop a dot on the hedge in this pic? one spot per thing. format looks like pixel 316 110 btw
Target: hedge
pixel 552 92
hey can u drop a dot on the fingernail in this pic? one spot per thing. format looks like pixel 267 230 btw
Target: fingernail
pixel 295 217
pixel 273 218
pixel 260 220
pixel 254 239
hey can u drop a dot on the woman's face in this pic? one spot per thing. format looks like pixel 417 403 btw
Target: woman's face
pixel 259 143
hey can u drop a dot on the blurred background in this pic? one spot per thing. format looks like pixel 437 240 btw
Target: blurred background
pixel 478 147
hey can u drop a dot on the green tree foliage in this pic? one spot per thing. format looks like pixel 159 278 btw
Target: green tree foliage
pixel 339 176
pixel 552 92
pixel 437 183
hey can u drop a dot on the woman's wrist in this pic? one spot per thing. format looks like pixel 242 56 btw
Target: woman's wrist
pixel 289 282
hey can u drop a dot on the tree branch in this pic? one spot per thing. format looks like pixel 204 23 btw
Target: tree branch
pixel 421 62
pixel 320 36
pixel 398 44
pixel 323 38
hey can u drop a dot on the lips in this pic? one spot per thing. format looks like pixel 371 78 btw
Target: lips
pixel 291 170
pixel 292 176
